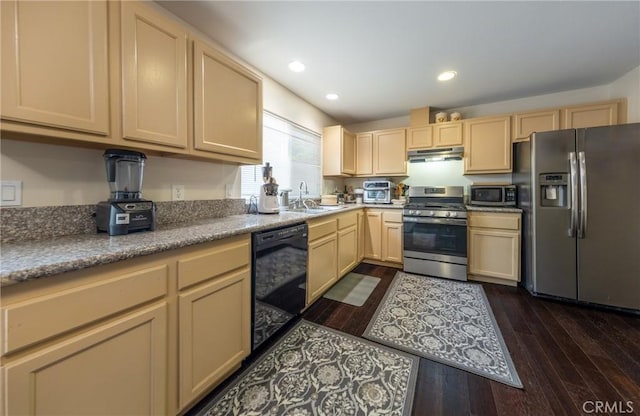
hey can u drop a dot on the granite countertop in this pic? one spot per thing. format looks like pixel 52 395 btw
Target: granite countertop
pixel 35 259
pixel 493 209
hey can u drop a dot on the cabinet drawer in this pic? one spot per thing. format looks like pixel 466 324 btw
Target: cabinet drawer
pixel 347 220
pixel 392 216
pixel 218 259
pixel 322 227
pixel 505 221
pixel 39 318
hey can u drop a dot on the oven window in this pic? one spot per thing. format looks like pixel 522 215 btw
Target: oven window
pixel 444 239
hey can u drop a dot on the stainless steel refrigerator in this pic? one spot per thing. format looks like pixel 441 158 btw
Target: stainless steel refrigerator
pixel 580 193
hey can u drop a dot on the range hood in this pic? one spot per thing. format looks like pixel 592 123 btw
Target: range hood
pixel 434 155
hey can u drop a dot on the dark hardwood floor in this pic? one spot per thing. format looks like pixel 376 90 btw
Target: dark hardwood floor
pixel 571 359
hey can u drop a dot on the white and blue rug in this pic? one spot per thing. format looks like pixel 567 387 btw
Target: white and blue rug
pixel 446 321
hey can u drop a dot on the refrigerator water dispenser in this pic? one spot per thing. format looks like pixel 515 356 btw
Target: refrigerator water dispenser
pixel 554 190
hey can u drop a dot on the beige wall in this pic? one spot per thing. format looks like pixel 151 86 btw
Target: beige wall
pixel 627 86
pixel 61 175
pixel 64 175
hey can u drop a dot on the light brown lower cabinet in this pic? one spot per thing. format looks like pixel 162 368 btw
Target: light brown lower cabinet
pixel 213 317
pixel 494 247
pixel 347 242
pixel 383 239
pixel 361 234
pixel 145 336
pixel 117 368
pixel 322 268
pixel 392 236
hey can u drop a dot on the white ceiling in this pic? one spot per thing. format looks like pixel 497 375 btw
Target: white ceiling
pixel 382 57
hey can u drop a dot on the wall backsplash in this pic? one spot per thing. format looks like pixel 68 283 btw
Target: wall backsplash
pixel 445 173
pixel 42 223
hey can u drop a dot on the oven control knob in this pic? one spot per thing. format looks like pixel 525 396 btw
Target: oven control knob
pixel 417 212
pixel 447 214
pixel 454 214
pixel 430 213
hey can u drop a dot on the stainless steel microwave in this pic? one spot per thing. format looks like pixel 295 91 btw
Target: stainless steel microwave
pixel 493 195
pixel 377 192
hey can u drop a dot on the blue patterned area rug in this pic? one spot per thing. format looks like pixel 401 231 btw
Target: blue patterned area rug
pixel 314 370
pixel 446 321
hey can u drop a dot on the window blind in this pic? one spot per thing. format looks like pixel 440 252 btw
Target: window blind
pixel 294 154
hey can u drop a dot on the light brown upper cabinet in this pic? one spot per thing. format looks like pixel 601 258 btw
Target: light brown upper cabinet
pixel 389 152
pixel 593 115
pixel 154 77
pixel 534 121
pixel 487 145
pixel 447 134
pixel 227 105
pixel 55 70
pixel 339 151
pixel 364 154
pixel 420 137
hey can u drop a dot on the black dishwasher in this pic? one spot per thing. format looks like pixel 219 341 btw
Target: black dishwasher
pixel 279 279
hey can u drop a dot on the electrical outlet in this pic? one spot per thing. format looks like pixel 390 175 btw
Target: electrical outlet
pixel 11 193
pixel 177 192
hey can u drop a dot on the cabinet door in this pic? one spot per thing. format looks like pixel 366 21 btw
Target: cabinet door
pixel 361 234
pixel 447 134
pixel 390 152
pixel 604 114
pixel 364 152
pixel 338 151
pixel 487 145
pixel 494 253
pixel 117 368
pixel 392 242
pixel 348 153
pixel 154 77
pixel 214 332
pixel 420 138
pixel 347 250
pixel 373 236
pixel 322 268
pixel 227 105
pixel 54 64
pixel 526 123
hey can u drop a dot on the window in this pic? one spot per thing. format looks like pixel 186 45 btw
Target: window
pixel 294 155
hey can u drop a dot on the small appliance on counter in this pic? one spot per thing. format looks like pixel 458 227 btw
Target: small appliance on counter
pixel 377 192
pixel 268 199
pixel 125 211
pixel 358 192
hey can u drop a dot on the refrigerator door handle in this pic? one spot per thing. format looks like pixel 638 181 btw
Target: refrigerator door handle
pixel 582 224
pixel 573 165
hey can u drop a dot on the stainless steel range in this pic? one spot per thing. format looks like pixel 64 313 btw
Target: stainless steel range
pixel 435 232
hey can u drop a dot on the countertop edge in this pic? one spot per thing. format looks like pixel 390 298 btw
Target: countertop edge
pixel 32 261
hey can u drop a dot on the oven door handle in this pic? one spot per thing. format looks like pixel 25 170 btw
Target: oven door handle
pixel 443 221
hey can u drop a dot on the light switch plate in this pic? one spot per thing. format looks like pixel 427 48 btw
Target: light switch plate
pixel 11 193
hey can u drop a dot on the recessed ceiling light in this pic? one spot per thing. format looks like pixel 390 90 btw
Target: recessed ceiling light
pixel 296 66
pixel 447 75
pixel 332 96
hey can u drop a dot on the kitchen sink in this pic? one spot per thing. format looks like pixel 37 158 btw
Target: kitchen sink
pixel 317 210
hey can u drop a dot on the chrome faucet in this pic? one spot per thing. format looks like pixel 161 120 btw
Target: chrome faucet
pixel 306 192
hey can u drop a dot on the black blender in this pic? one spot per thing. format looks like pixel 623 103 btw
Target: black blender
pixel 125 211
